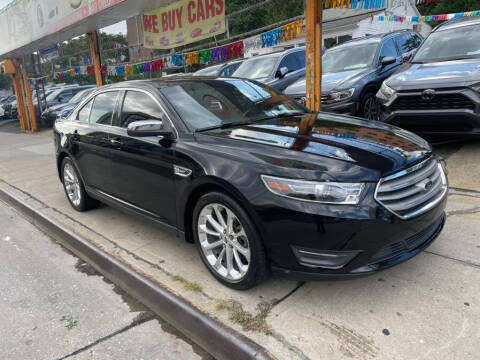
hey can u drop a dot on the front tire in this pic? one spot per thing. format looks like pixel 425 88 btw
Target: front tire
pixel 74 187
pixel 228 242
pixel 370 108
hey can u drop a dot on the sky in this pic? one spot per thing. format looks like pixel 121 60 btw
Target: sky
pixel 120 27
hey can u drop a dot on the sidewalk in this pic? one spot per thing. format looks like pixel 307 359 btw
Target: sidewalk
pixel 60 308
pixel 425 308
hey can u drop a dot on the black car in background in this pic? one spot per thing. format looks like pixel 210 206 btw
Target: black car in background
pixel 353 72
pixel 225 69
pixel 277 70
pixel 63 109
pixel 253 178
pixel 438 93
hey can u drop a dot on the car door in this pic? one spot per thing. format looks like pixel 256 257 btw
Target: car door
pixel 142 168
pixel 92 151
pixel 388 49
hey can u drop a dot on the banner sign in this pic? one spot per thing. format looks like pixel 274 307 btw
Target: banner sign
pixel 24 21
pixel 182 23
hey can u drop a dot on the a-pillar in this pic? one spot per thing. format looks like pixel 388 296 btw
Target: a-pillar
pixel 95 51
pixel 313 41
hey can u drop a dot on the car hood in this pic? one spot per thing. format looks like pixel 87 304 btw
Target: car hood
pixel 378 149
pixel 58 107
pixel 330 82
pixel 437 74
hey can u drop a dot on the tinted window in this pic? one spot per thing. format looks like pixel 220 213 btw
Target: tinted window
pixel 139 106
pixel 103 108
pixel 84 112
pixel 290 62
pixel 65 96
pixel 407 42
pixel 301 59
pixel 388 50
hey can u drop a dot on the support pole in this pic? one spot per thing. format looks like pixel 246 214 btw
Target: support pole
pixel 313 15
pixel 95 51
pixel 17 86
pixel 30 110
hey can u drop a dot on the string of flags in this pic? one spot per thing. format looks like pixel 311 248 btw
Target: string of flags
pixel 355 4
pixel 206 56
pixel 427 18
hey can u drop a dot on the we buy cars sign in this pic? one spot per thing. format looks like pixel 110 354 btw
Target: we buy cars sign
pixel 182 23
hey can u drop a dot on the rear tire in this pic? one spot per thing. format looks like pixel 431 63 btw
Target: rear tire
pixel 227 241
pixel 369 107
pixel 74 187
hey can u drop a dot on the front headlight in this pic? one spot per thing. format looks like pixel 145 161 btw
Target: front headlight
pixel 387 91
pixel 476 88
pixel 322 192
pixel 340 95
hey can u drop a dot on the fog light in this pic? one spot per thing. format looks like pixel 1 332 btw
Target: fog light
pixel 325 259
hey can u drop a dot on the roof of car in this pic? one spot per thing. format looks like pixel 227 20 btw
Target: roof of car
pixel 457 23
pixel 371 38
pixel 162 82
pixel 278 53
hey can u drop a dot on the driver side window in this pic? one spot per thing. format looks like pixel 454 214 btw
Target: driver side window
pixel 139 106
pixel 290 62
pixel 388 50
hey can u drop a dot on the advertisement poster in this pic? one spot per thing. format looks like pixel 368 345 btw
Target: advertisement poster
pixel 182 23
pixel 25 21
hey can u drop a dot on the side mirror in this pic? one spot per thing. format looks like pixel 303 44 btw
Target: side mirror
pixel 144 128
pixel 60 99
pixel 281 72
pixel 407 56
pixel 388 61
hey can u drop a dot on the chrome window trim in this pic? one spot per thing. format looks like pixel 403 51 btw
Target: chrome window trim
pixel 430 205
pixel 120 89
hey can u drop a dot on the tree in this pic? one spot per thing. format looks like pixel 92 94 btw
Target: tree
pixel 448 7
pixel 5 81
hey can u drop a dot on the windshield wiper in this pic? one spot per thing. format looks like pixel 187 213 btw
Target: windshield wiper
pixel 241 123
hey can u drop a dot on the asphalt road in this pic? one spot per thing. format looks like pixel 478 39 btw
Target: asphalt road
pixel 54 306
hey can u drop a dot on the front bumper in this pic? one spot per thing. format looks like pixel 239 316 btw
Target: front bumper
pixel 456 112
pixel 368 242
pixel 342 107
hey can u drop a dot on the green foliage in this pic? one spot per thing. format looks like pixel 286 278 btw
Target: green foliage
pixel 448 7
pixel 5 81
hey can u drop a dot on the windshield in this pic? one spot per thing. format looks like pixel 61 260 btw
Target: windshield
pixel 454 44
pixel 349 58
pixel 79 96
pixel 259 68
pixel 212 70
pixel 53 95
pixel 203 104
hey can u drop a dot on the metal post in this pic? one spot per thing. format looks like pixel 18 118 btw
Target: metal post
pixel 27 91
pixel 313 42
pixel 227 27
pixel 95 51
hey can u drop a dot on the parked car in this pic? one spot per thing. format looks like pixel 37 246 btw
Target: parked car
pixel 277 70
pixel 2 113
pixel 438 93
pixel 10 107
pixel 225 69
pixel 353 72
pixel 64 109
pixel 253 178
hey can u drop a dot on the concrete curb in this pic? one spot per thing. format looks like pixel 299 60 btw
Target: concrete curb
pixel 219 340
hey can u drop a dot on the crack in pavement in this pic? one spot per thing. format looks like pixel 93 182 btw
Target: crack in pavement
pixel 463 212
pixel 463 262
pixel 463 189
pixel 290 293
pixel 140 319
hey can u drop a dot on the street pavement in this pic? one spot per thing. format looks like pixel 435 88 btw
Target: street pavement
pixel 426 308
pixel 55 306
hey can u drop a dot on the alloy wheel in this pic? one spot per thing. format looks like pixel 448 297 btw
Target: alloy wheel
pixel 72 184
pixel 370 109
pixel 224 242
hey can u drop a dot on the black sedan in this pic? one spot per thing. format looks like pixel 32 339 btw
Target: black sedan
pixel 62 109
pixel 253 178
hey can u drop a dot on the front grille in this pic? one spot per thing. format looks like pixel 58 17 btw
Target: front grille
pixel 302 100
pixel 324 99
pixel 413 191
pixel 439 102
pixel 403 246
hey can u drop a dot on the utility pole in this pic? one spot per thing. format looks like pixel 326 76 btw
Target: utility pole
pixel 95 50
pixel 313 40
